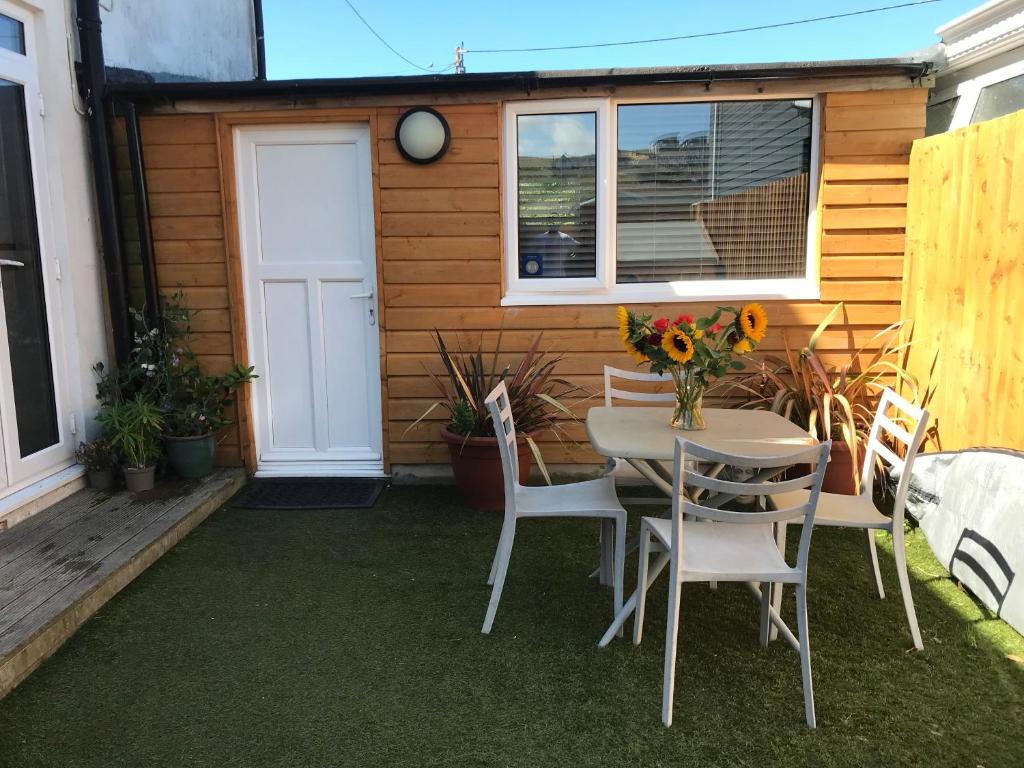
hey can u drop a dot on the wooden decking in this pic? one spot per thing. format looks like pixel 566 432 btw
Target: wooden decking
pixel 60 566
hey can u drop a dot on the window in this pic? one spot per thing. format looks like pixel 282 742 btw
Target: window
pixel 557 165
pixel 658 201
pixel 12 34
pixel 712 191
pixel 939 115
pixel 999 99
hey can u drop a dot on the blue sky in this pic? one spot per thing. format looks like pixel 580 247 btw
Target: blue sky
pixel 323 38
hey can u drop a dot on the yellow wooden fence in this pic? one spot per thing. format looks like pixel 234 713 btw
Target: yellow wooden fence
pixel 964 281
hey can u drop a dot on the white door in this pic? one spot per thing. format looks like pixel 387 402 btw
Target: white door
pixel 34 441
pixel 305 207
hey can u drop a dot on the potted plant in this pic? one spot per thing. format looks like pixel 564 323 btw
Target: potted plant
pixel 534 396
pixel 133 429
pixel 194 403
pixel 163 368
pixel 197 408
pixel 833 402
pixel 695 352
pixel 98 457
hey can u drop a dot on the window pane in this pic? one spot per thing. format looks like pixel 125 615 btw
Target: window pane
pixel 12 34
pixel 938 116
pixel 557 195
pixel 712 191
pixel 999 99
pixel 35 409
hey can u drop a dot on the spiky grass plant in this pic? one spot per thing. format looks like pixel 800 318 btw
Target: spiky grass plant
pixel 832 402
pixel 534 392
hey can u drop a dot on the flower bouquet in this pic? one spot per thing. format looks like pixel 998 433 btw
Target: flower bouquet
pixel 693 351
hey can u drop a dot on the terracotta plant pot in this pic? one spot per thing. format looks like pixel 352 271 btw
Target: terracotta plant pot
pixel 839 474
pixel 477 467
pixel 138 480
pixel 190 457
pixel 100 479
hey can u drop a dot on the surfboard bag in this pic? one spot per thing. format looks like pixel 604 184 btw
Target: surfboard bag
pixel 970 505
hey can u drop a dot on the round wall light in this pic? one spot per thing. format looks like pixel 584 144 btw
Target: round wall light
pixel 422 135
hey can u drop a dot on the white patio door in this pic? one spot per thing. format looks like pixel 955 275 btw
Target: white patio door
pixel 305 206
pixel 34 440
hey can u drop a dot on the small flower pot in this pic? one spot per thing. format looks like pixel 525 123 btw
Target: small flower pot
pixel 476 464
pixel 100 479
pixel 190 457
pixel 137 480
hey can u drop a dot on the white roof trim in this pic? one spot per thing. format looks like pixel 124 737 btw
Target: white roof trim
pixel 989 29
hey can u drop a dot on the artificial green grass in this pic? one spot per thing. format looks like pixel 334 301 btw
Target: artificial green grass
pixel 353 639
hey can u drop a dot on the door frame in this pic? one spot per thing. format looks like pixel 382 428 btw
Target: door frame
pixel 20 472
pixel 226 123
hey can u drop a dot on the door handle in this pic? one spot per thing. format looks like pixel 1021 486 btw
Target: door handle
pixel 367 295
pixel 11 263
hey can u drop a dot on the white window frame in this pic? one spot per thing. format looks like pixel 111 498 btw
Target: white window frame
pixel 970 90
pixel 603 289
pixel 605 167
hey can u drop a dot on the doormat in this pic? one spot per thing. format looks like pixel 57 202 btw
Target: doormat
pixel 309 493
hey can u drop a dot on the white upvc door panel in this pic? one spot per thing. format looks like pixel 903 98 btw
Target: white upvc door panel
pixel 309 262
pixel 25 456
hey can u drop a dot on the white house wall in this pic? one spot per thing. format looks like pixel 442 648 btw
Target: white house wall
pixel 208 40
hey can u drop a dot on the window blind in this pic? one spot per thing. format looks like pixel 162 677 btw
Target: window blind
pixel 715 190
pixel 557 190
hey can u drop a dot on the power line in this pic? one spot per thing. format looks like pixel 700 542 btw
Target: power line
pixel 386 43
pixel 700 34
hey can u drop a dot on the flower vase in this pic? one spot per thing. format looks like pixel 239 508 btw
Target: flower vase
pixel 688 414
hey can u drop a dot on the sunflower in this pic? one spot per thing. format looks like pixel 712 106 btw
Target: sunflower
pixel 742 347
pixel 753 321
pixel 622 316
pixel 677 345
pixel 625 331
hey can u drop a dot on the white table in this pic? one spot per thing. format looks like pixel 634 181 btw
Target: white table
pixel 644 437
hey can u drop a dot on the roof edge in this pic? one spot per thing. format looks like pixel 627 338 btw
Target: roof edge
pixel 523 80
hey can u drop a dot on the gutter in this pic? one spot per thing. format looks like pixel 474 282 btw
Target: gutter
pixel 92 82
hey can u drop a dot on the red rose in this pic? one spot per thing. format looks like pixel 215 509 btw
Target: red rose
pixel 654 339
pixel 688 319
pixel 715 328
pixel 661 324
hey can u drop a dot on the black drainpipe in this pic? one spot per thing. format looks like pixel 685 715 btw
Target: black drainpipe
pixel 139 192
pixel 92 80
pixel 261 49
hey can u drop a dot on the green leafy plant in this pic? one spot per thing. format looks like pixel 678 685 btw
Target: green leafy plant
pixel 96 455
pixel 534 392
pixel 833 402
pixel 163 368
pixel 463 418
pixel 133 429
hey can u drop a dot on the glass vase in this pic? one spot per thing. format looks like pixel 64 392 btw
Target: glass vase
pixel 688 413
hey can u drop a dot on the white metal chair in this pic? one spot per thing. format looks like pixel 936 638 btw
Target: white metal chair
pixel 590 499
pixel 721 545
pixel 841 511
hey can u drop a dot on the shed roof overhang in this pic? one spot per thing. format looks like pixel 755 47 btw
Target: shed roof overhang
pixel 527 82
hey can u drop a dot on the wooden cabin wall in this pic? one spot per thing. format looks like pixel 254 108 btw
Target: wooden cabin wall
pixel 183 183
pixel 439 228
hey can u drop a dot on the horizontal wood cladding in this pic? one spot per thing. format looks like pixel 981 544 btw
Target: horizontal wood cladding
pixel 186 217
pixel 439 234
pixel 429 200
